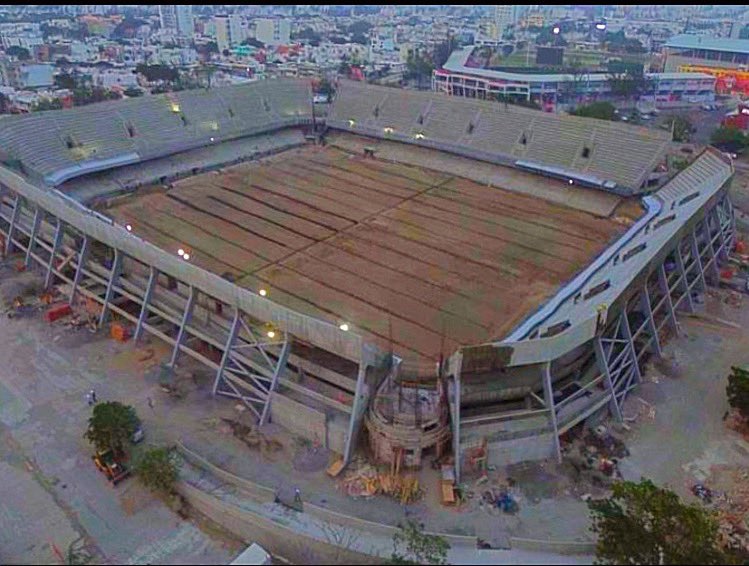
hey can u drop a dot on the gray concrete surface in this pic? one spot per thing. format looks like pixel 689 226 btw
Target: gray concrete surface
pixel 53 498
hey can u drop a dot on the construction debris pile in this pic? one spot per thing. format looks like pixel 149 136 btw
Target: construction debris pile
pixel 731 504
pixel 593 455
pixel 253 438
pixel 364 480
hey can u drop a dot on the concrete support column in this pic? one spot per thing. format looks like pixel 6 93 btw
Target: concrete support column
pixel 456 415
pixel 227 350
pixel 698 259
pixel 282 358
pixel 549 399
pixel 152 278
pixel 663 284
pixel 32 236
pixel 603 367
pixel 82 256
pixel 352 428
pixel 55 247
pixel 648 307
pixel 13 222
pixel 114 275
pixel 627 331
pixel 683 277
pixel 186 316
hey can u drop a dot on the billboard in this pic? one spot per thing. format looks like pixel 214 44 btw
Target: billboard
pixel 550 56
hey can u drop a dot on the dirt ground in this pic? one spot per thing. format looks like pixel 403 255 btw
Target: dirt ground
pixel 398 252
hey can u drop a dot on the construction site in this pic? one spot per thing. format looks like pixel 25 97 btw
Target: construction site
pixel 406 280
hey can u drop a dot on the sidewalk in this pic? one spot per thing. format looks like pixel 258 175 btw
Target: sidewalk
pixel 350 538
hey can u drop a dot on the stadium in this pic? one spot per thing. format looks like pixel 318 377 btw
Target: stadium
pixel 403 270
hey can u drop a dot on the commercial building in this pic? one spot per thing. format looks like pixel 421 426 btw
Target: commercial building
pixel 177 19
pixel 553 89
pixel 230 30
pixel 273 31
pixel 725 59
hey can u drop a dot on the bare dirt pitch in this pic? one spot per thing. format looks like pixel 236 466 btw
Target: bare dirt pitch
pixel 400 253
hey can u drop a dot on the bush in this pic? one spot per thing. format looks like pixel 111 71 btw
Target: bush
pixel 420 548
pixel 737 391
pixel 599 110
pixel 158 470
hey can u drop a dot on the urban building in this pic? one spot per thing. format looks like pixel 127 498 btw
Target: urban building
pixel 275 31
pixel 551 90
pixel 725 59
pixel 229 30
pixel 177 19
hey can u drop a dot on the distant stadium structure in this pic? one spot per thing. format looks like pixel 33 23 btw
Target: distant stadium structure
pixel 413 270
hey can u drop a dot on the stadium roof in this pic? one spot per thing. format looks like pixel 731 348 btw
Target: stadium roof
pixel 456 63
pixel 690 41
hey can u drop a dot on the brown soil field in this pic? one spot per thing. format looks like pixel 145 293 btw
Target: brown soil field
pixel 413 259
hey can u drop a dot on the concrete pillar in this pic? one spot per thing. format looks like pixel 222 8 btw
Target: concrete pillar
pixel 549 399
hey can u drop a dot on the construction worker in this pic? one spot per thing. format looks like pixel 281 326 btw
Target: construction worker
pixel 92 393
pixel 297 495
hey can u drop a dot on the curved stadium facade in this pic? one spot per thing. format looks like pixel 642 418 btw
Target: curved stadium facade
pixel 517 267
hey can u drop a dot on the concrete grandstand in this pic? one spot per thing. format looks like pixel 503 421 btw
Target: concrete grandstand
pixel 320 277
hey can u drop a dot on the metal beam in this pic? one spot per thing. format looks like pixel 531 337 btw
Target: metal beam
pixel 152 278
pixel 651 321
pixel 603 366
pixel 55 247
pixel 628 335
pixel 227 350
pixel 697 258
pixel 113 276
pixel 186 316
pixel 32 236
pixel 282 358
pixel 683 276
pixel 549 398
pixel 663 284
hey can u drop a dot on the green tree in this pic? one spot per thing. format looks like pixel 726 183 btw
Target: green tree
pixel 729 138
pixel 20 52
pixel 599 110
pixel 644 524
pixel 412 546
pixel 682 128
pixel 133 92
pixel 737 390
pixel 46 104
pixel 629 83
pixel 158 470
pixel 111 426
pixel 66 80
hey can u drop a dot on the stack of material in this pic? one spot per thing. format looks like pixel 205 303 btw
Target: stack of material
pixel 366 481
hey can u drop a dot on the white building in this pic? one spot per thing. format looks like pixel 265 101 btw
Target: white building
pixel 177 19
pixel 230 30
pixel 273 31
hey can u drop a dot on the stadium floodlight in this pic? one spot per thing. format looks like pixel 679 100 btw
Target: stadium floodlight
pixel 600 26
pixel 344 327
pixel 180 252
pixel 186 257
pixel 556 30
pixel 271 334
pixel 175 107
pixel 388 130
pixel 213 139
pixel 351 123
pixel 128 228
pixel 419 136
pixel 263 292
pixel 571 182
